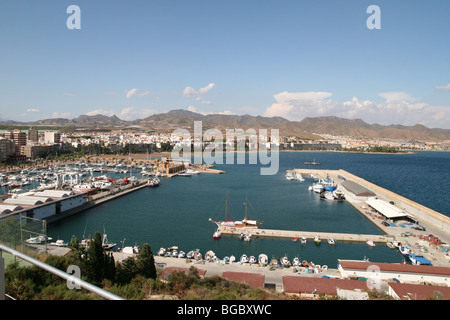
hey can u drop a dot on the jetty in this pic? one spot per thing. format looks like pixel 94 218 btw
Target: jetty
pixel 310 235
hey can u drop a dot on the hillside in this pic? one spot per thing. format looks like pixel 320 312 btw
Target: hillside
pixel 308 128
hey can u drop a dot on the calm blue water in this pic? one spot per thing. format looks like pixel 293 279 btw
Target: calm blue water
pixel 177 212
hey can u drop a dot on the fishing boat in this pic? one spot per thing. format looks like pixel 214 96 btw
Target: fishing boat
pixel 317 240
pixel 190 254
pixel 296 262
pixel 58 243
pixel 370 243
pixel 252 260
pixel 210 255
pixel 181 254
pixel 106 245
pixel 154 182
pixel 232 259
pixel 331 241
pixel 244 223
pixel 243 259
pixel 417 259
pixel 285 262
pixel 226 259
pixel 303 240
pixel 289 175
pixel 318 187
pixel 405 250
pixel 217 234
pixel 263 259
pixel 161 252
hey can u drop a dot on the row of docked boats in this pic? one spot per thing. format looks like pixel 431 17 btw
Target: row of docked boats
pixel 317 240
pixel 293 175
pixel 405 250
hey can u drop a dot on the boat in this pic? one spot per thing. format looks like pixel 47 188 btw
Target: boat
pixel 303 240
pixel 298 176
pixel 184 174
pixel 58 243
pixel 405 250
pixel 289 175
pixel 305 263
pixel 38 239
pixel 197 255
pixel 318 187
pixel 174 253
pixel 317 240
pixel 295 239
pixel 370 243
pixel 244 223
pixel 390 245
pixel 161 252
pixel 252 260
pixel 263 259
pixel 192 171
pixel 154 182
pixel 232 259
pixel 190 254
pixel 331 241
pixel 417 259
pixel 106 245
pixel 285 262
pixel 226 259
pixel 84 187
pixel 243 259
pixel 248 237
pixel 217 234
pixel 296 262
pixel 210 255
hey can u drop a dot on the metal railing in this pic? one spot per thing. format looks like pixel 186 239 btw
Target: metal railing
pixel 83 284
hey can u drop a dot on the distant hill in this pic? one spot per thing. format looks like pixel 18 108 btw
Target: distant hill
pixel 307 128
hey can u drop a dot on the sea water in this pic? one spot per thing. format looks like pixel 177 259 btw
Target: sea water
pixel 177 212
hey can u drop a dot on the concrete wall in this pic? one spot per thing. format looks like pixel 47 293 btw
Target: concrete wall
pixel 413 208
pixel 72 202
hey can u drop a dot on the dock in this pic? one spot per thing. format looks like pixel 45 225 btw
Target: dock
pixel 309 235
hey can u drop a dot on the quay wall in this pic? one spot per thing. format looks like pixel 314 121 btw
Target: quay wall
pixel 413 208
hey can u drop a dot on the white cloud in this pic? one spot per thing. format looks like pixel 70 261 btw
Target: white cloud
pixel 398 108
pixel 446 88
pixel 33 110
pixel 134 92
pixel 101 111
pixel 190 92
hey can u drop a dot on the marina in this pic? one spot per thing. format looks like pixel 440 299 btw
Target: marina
pixel 159 216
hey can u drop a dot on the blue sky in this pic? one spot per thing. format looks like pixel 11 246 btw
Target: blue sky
pixel 273 58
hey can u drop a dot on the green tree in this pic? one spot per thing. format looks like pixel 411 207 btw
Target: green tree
pixel 145 262
pixel 99 264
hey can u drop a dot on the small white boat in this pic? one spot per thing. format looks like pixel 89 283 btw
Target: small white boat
pixel 405 250
pixel 232 259
pixel 370 243
pixel 285 262
pixel 331 241
pixel 58 243
pixel 263 259
pixel 303 240
pixel 248 237
pixel 317 240
pixel 243 259
pixel 190 254
pixel 181 254
pixel 296 262
pixel 217 234
pixel 210 255
pixel 289 176
pixel 226 259
pixel 252 260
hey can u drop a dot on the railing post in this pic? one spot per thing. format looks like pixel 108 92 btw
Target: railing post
pixel 2 277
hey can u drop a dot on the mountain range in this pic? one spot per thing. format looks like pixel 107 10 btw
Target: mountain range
pixel 308 128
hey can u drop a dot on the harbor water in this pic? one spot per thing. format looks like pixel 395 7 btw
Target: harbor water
pixel 176 213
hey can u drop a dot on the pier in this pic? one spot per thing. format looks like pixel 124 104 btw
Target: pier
pixel 309 235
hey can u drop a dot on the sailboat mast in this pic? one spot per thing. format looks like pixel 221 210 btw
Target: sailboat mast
pixel 226 208
pixel 245 207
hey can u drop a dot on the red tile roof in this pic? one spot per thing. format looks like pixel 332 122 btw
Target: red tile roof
pixel 254 280
pixel 298 284
pixel 395 267
pixel 419 291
